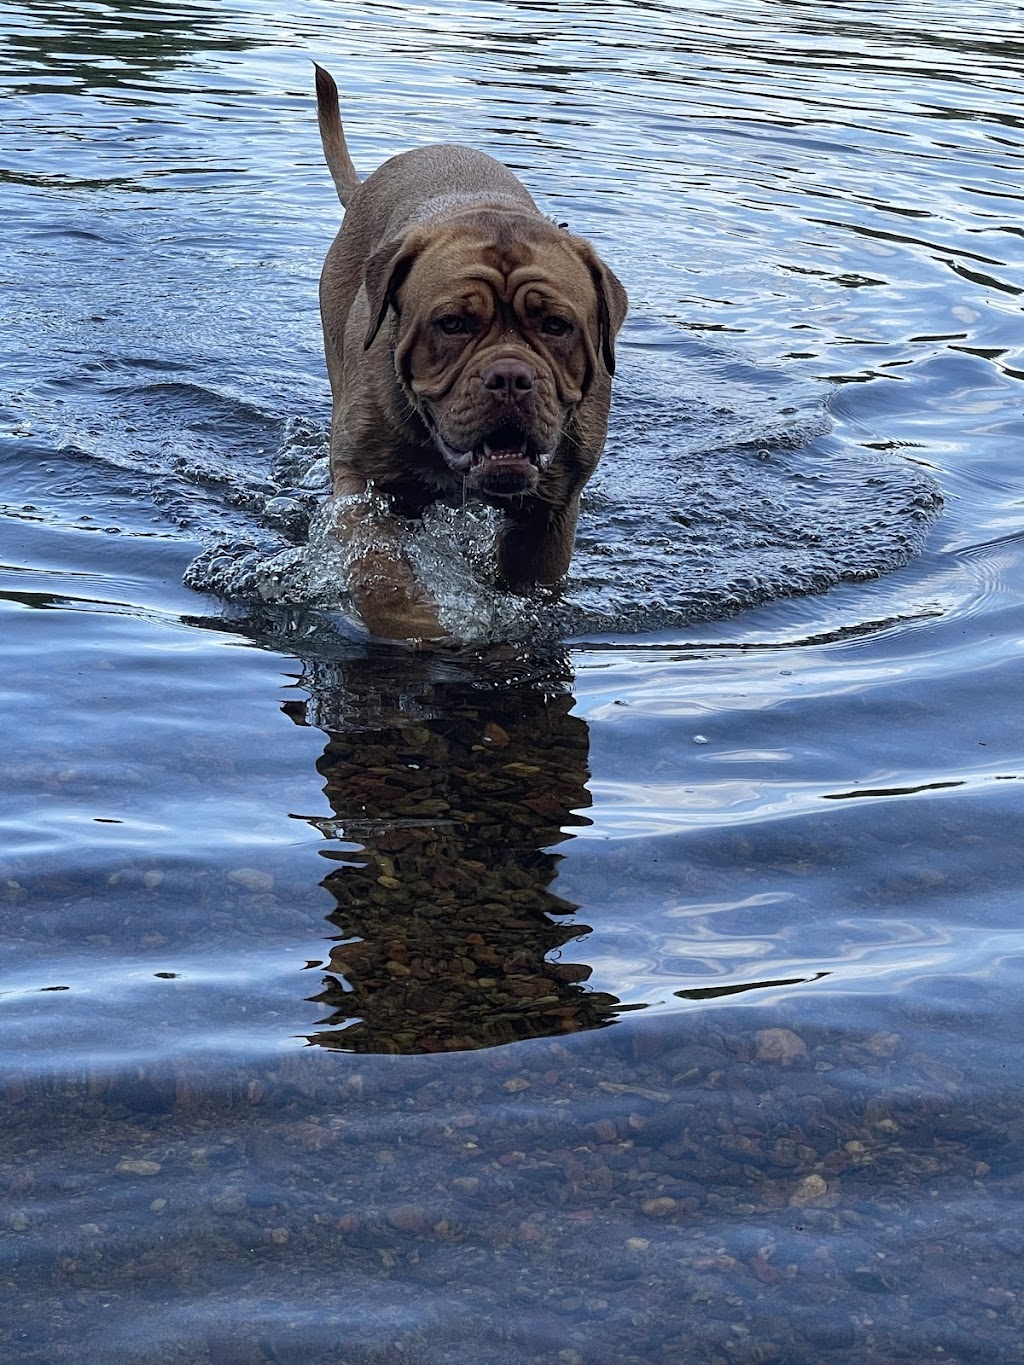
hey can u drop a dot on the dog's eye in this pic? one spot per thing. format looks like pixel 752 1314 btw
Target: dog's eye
pixel 555 327
pixel 452 325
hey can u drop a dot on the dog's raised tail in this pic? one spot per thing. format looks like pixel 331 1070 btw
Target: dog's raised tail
pixel 332 135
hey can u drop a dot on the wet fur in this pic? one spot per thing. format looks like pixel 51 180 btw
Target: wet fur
pixel 422 219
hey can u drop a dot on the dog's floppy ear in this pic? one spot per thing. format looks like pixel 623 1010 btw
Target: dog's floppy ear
pixel 385 274
pixel 612 302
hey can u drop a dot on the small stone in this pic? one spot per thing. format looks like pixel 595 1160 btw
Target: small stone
pixel 763 1270
pixel 517 1083
pixel 466 1184
pixel 130 1166
pixel 279 1236
pixel 411 1218
pixel 784 1153
pixel 637 1244
pixel 660 1208
pixel 229 1202
pixel 18 1222
pixel 780 1045
pixel 152 880
pixel 252 879
pixel 998 1299
pixel 883 1044
pixel 808 1191
pixel 605 1130
pixel 158 1206
pixel 390 883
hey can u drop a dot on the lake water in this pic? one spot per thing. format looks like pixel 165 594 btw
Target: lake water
pixel 641 983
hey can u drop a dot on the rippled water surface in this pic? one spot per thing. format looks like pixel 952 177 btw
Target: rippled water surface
pixel 641 983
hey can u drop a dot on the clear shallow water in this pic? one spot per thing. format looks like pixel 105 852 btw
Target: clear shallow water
pixel 360 1006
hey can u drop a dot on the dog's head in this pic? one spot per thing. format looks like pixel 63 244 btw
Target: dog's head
pixel 504 325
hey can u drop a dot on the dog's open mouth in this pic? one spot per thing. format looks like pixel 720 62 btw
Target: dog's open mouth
pixel 507 453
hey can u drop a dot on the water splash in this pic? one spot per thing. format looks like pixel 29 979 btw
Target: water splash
pixel 722 487
pixel 711 498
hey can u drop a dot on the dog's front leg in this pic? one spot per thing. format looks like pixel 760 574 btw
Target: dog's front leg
pixel 535 545
pixel 387 594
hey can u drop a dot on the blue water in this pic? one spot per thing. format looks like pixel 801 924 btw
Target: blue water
pixel 642 982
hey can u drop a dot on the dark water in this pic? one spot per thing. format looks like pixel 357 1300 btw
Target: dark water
pixel 644 988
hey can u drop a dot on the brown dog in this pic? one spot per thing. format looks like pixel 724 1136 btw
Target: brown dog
pixel 470 347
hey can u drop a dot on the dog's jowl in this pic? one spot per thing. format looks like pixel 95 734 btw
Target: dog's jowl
pixel 470 345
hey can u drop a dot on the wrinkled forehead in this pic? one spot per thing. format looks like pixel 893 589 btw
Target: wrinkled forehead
pixel 473 259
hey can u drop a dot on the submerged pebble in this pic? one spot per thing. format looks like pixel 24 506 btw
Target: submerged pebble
pixel 138 1166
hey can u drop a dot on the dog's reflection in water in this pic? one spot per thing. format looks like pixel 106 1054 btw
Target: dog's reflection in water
pixel 454 791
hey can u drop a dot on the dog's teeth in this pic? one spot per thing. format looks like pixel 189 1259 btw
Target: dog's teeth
pixel 486 451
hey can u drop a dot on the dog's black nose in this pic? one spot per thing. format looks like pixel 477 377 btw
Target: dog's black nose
pixel 508 379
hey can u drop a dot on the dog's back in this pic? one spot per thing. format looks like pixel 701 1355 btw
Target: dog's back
pixel 436 182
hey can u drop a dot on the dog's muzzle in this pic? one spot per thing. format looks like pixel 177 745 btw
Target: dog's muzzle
pixel 506 459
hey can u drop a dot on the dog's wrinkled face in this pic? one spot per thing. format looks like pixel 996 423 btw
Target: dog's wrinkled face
pixel 503 324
